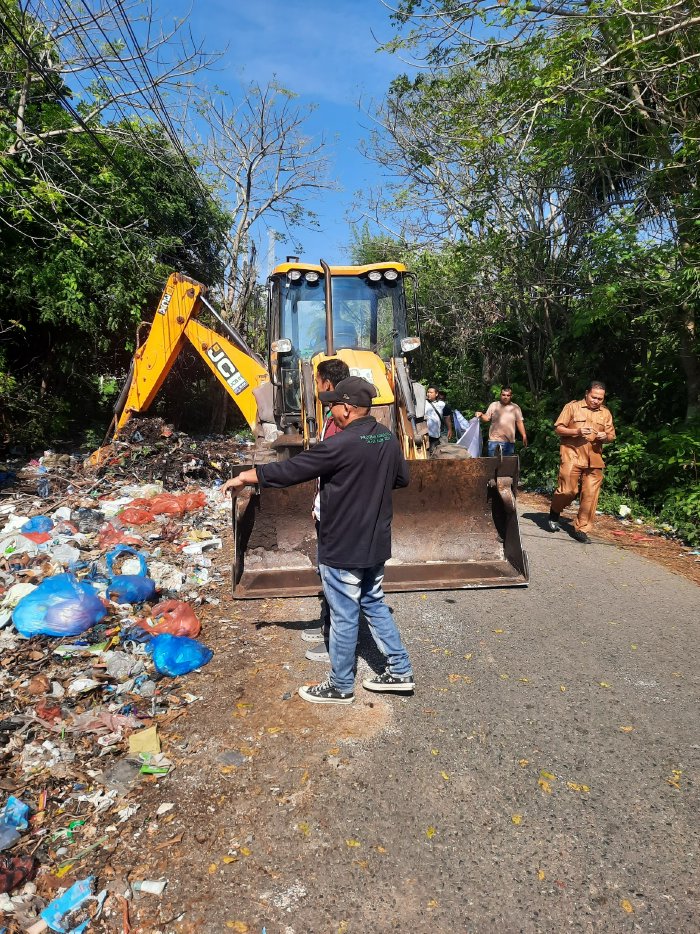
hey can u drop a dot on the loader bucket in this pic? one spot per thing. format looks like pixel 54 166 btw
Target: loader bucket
pixel 455 526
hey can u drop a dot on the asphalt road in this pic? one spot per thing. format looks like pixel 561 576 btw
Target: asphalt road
pixel 543 778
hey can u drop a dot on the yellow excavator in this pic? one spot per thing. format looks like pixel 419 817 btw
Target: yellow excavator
pixel 455 525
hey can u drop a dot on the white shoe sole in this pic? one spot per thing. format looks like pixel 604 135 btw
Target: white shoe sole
pixel 401 688
pixel 312 635
pixel 312 699
pixel 314 656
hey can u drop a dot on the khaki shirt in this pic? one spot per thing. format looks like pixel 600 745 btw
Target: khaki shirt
pixel 580 450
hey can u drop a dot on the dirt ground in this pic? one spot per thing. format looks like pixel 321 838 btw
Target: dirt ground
pixel 426 813
pixel 250 752
pixel 256 784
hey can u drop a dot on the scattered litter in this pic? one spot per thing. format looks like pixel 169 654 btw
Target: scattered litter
pixel 149 886
pixel 178 655
pixel 144 741
pixel 71 908
pixel 130 588
pixel 37 524
pixel 78 629
pixel 174 617
pixel 14 870
pixel 13 821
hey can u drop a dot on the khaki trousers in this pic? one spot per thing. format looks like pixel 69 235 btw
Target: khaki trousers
pixel 571 477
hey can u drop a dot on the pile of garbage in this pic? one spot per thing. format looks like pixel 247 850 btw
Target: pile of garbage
pixel 149 449
pixel 100 602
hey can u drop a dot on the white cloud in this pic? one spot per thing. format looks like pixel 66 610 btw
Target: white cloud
pixel 325 52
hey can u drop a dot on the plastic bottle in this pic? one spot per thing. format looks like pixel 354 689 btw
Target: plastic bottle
pixel 8 836
pixel 151 886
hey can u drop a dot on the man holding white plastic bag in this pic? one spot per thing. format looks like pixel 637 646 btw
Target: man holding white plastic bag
pixel 468 433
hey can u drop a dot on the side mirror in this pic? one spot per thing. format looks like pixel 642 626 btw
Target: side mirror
pixel 283 345
pixel 409 344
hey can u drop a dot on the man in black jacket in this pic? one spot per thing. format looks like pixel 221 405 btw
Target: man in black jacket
pixel 358 468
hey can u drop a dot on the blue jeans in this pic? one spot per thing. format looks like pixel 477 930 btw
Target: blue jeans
pixel 349 590
pixel 508 447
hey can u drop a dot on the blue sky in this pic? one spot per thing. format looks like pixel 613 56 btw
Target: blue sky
pixel 325 53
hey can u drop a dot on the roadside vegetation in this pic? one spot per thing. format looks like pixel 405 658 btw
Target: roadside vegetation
pixel 546 193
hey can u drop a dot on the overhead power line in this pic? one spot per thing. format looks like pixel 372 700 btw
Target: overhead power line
pixel 28 54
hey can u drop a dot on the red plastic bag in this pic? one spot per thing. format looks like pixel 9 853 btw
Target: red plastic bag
pixel 174 617
pixel 166 504
pixel 111 536
pixel 48 710
pixel 39 538
pixel 192 501
pixel 134 515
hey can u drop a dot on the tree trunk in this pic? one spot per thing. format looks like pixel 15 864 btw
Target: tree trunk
pixel 556 371
pixel 219 409
pixel 690 362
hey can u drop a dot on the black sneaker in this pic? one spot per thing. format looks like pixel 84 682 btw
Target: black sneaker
pixel 389 682
pixel 581 537
pixel 325 694
pixel 553 522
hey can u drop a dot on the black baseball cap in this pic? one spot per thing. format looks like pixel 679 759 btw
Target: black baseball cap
pixel 353 391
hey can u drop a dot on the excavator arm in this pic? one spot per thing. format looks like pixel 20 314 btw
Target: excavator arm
pixel 175 323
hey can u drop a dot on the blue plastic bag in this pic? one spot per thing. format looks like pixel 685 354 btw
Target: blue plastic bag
pixel 177 655
pixel 38 524
pixel 15 813
pixel 13 820
pixel 130 588
pixel 120 550
pixel 60 909
pixel 60 606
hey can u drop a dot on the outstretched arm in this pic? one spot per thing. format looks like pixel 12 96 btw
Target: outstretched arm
pixel 236 484
pixel 523 434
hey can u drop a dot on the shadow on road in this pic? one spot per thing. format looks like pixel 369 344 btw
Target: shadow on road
pixel 540 520
pixel 366 646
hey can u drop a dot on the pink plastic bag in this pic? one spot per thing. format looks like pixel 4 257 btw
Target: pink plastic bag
pixel 174 617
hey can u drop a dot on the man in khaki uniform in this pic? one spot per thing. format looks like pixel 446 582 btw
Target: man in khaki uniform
pixel 583 427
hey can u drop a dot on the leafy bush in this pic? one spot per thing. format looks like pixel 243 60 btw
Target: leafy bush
pixel 29 419
pixel 656 474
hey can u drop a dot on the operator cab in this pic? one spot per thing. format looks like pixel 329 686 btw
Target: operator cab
pixel 368 313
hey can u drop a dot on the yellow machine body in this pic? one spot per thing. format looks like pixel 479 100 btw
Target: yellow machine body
pixel 455 525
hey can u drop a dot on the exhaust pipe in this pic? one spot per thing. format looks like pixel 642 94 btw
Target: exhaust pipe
pixel 330 347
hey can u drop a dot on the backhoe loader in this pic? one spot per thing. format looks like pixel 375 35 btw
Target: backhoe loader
pixel 455 525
